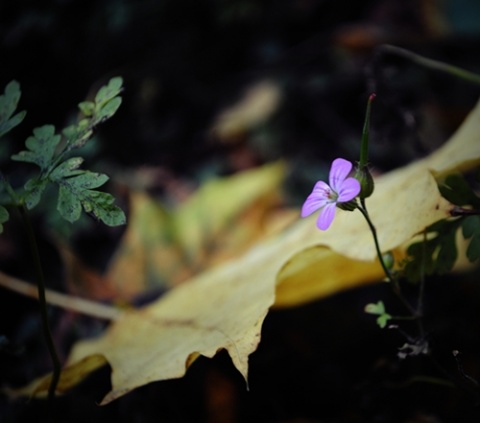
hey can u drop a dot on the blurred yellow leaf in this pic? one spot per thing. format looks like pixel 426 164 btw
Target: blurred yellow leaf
pixel 224 307
pixel 162 248
pixel 220 206
pixel 259 102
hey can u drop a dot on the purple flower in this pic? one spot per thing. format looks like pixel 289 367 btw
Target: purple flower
pixel 325 197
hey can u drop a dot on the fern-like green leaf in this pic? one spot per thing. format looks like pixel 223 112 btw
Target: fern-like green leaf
pixel 108 109
pixel 8 104
pixel 67 168
pixel 78 192
pixel 41 147
pixel 34 190
pixel 108 92
pixel 471 230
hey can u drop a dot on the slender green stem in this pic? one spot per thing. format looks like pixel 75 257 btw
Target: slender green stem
pixel 432 64
pixel 388 273
pixel 386 270
pixel 43 304
pixel 365 133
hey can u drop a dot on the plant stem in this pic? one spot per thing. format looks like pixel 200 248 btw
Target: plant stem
pixel 43 304
pixel 364 211
pixel 432 64
pixel 365 133
pixel 388 273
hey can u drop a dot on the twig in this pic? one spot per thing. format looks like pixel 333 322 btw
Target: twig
pixel 68 302
pixel 432 64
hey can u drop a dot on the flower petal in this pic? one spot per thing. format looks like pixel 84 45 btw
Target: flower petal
pixel 317 199
pixel 338 172
pixel 349 189
pixel 326 216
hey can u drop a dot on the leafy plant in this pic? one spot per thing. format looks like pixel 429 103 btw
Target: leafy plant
pixel 52 153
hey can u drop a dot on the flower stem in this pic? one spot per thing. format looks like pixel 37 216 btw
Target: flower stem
pixel 43 305
pixel 365 133
pixel 386 270
pixel 433 64
pixel 364 211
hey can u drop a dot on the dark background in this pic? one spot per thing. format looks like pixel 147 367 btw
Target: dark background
pixel 183 62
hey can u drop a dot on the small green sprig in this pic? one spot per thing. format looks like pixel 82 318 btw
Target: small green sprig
pixel 378 309
pixel 8 104
pixel 51 152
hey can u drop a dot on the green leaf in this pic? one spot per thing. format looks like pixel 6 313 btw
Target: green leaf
pixel 471 229
pixel 383 319
pixel 104 107
pixel 100 204
pixel 8 103
pixel 372 308
pixel 9 100
pixel 456 190
pixel 470 226
pixel 447 253
pixel 108 109
pixel 420 260
pixel 379 310
pixel 68 204
pixel 8 125
pixel 41 147
pixel 34 188
pixel 108 92
pixel 77 192
pixel 77 135
pixel 436 255
pixel 4 216
pixel 67 168
pixel 87 108
pixel 86 180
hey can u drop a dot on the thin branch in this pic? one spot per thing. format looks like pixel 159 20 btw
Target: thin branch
pixel 68 302
pixel 432 64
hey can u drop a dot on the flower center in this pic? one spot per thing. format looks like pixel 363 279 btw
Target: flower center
pixel 332 195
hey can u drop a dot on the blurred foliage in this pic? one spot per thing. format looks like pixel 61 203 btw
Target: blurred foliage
pixel 438 251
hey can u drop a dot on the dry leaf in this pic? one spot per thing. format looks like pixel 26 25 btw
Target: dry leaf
pixel 224 307
pixel 259 102
pixel 71 376
pixel 318 272
pixel 220 309
pixel 162 248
